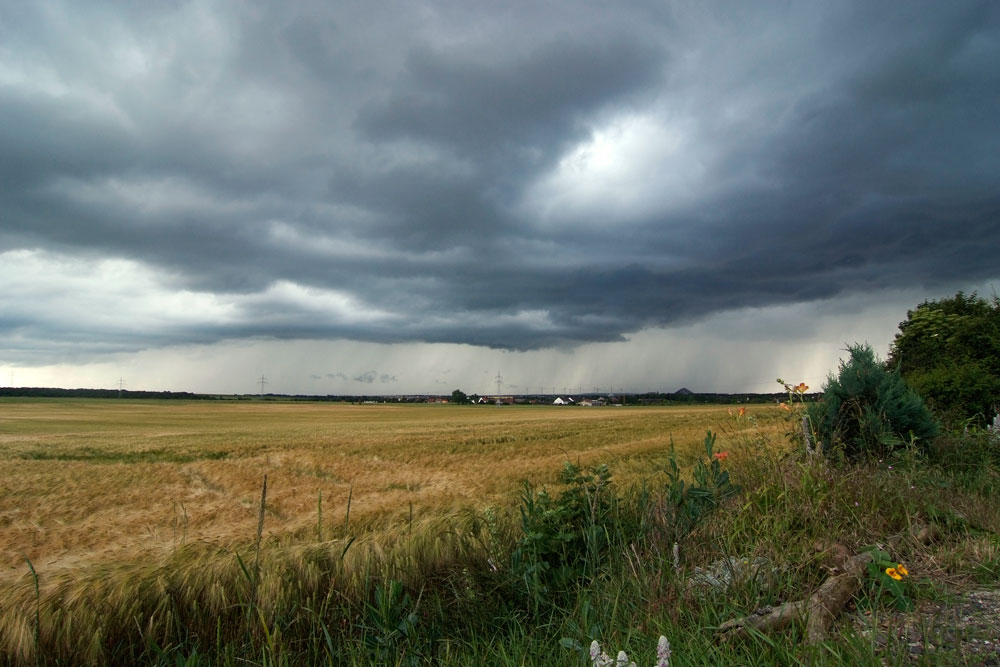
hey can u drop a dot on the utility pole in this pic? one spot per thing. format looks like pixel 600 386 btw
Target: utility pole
pixel 121 384
pixel 499 381
pixel 262 381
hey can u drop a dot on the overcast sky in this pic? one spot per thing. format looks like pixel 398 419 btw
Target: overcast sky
pixel 407 197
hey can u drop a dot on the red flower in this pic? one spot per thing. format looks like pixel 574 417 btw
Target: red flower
pixel 721 456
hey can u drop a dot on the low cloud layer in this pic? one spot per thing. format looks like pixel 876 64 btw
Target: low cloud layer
pixel 518 178
pixel 371 377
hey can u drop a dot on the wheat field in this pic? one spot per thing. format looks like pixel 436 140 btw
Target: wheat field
pixel 89 482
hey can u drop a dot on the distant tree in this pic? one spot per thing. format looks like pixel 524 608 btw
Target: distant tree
pixel 949 351
pixel 458 396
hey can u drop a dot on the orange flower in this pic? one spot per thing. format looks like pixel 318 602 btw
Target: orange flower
pixel 742 412
pixel 802 388
pixel 902 570
pixel 784 406
pixel 891 571
pixel 721 456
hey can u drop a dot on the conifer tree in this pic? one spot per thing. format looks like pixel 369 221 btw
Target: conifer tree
pixel 868 409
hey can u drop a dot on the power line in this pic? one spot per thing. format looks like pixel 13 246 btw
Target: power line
pixel 262 381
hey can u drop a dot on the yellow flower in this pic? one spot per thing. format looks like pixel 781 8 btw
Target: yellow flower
pixel 902 570
pixel 891 571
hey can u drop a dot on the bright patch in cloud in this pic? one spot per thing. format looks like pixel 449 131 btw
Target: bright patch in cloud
pixel 110 301
pixel 327 304
pixel 106 294
pixel 631 166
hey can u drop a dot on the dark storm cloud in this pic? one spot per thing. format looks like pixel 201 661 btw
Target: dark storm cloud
pixel 509 108
pixel 433 173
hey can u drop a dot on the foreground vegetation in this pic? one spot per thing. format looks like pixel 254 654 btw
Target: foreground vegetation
pixel 110 500
pixel 613 538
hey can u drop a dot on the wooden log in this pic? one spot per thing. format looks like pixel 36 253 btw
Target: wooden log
pixel 830 599
pixel 818 611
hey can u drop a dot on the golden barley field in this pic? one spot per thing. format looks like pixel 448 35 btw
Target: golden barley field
pixel 91 482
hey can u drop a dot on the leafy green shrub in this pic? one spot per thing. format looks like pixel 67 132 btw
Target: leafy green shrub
pixel 569 537
pixel 949 351
pixel 869 410
pixel 565 538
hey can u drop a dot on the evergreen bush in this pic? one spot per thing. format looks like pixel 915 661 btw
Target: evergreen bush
pixel 869 410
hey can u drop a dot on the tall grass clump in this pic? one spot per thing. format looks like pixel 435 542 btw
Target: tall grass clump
pixel 200 599
pixel 968 459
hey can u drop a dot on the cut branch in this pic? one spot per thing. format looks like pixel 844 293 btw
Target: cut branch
pixel 819 610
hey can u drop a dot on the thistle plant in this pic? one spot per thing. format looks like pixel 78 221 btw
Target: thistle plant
pixel 663 652
pixel 598 658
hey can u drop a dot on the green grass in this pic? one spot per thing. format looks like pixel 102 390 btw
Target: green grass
pixel 93 455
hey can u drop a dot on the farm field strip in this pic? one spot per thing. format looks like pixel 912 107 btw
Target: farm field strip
pixel 84 482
